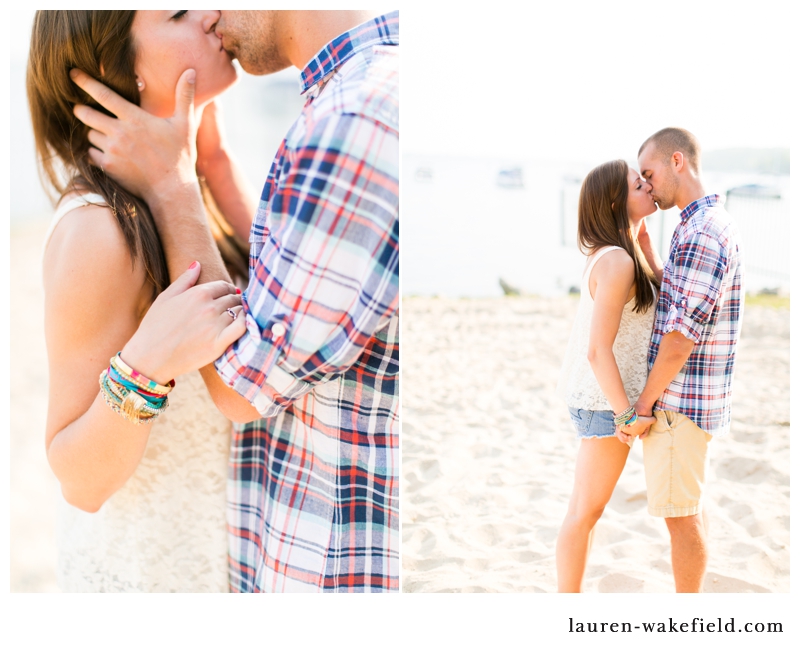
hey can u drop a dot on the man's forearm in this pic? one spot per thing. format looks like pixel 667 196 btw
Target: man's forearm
pixel 673 352
pixel 232 405
pixel 181 221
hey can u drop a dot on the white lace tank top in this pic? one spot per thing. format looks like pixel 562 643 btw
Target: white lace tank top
pixel 164 530
pixel 577 384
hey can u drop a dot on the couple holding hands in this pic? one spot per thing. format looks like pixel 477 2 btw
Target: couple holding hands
pixel 652 349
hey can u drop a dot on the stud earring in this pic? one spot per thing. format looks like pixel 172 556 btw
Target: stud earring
pixel 140 85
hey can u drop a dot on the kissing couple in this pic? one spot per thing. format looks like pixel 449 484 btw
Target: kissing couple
pixel 652 350
pixel 176 303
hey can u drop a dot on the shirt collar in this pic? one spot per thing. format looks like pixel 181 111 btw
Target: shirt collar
pixel 383 30
pixel 705 202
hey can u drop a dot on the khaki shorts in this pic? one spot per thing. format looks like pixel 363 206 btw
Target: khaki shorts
pixel 675 465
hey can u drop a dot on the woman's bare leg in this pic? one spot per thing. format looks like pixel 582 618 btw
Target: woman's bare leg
pixel 597 470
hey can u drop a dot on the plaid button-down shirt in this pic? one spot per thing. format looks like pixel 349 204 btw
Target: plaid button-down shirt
pixel 702 297
pixel 313 490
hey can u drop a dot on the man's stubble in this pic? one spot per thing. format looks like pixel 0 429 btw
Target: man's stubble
pixel 665 197
pixel 256 40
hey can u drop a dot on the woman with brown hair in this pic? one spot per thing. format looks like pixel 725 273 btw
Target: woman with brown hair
pixel 605 367
pixel 142 466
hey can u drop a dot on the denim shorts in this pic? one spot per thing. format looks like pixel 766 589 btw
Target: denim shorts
pixel 592 424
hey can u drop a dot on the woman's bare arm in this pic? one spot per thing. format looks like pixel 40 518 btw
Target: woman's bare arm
pixel 93 302
pixel 95 299
pixel 233 195
pixel 612 279
pixel 650 253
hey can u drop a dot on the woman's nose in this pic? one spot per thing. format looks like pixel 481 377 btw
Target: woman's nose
pixel 210 19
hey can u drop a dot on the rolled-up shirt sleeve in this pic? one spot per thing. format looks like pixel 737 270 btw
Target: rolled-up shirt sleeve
pixel 699 266
pixel 327 277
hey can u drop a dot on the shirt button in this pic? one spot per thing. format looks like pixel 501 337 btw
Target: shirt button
pixel 278 330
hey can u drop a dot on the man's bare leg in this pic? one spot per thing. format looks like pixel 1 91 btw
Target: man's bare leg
pixel 689 551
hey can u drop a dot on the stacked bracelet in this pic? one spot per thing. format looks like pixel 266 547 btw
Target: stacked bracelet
pixel 139 379
pixel 135 397
pixel 626 417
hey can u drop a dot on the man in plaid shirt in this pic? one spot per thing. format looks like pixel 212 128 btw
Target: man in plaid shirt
pixel 313 490
pixel 697 325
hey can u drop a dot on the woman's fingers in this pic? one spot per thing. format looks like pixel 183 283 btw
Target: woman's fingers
pixel 229 301
pixel 103 95
pixel 234 330
pixel 230 314
pixel 219 288
pixel 183 282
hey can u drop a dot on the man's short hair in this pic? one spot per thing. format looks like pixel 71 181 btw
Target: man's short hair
pixel 668 141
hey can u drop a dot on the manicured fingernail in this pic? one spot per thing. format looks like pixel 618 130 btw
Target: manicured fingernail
pixel 194 265
pixel 191 76
pixel 73 74
pixel 238 290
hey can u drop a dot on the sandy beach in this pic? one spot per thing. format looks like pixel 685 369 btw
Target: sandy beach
pixel 489 452
pixel 33 485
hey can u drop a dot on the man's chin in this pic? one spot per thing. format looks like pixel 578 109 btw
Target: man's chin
pixel 663 205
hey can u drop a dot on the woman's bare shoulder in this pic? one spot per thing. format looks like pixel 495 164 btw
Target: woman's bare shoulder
pixel 614 268
pixel 614 261
pixel 87 259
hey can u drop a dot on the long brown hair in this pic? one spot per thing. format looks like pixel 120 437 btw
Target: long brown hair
pixel 603 221
pixel 101 44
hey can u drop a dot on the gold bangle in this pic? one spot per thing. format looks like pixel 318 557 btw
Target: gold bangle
pixel 139 379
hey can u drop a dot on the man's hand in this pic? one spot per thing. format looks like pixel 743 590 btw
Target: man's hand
pixel 148 155
pixel 186 328
pixel 645 411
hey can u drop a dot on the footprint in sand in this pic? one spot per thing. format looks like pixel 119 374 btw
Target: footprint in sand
pixel 424 541
pixel 719 584
pixel 625 502
pixel 736 511
pixel 429 470
pixel 620 583
pixel 749 470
